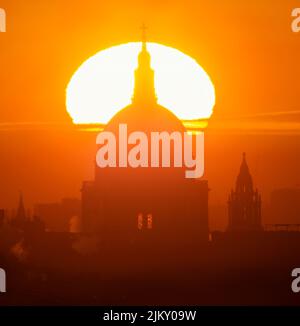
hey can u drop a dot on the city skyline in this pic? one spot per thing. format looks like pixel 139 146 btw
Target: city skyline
pixel 149 166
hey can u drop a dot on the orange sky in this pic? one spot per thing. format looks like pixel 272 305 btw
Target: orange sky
pixel 247 48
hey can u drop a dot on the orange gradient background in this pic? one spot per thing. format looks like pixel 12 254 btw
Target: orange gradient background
pixel 248 50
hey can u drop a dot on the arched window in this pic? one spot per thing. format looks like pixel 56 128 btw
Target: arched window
pixel 149 221
pixel 145 222
pixel 140 221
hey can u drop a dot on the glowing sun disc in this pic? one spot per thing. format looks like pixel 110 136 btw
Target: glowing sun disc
pixel 104 83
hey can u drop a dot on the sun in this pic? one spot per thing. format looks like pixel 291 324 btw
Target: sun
pixel 103 84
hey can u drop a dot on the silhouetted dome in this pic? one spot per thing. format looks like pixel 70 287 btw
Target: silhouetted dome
pixel 144 114
pixel 146 119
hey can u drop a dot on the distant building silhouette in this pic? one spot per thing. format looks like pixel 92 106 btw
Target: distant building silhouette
pixel 244 203
pixel 2 217
pixel 127 202
pixel 57 216
pixel 21 214
pixel 20 219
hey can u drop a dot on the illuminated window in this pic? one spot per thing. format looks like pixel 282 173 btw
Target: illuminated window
pixel 146 222
pixel 149 221
pixel 140 221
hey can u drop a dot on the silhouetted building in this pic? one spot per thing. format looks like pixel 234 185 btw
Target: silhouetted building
pixel 58 216
pixel 36 225
pixel 244 203
pixel 158 202
pixel 20 219
pixel 21 214
pixel 2 217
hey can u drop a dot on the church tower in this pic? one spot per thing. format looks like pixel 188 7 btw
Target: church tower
pixel 244 203
pixel 21 214
pixel 20 220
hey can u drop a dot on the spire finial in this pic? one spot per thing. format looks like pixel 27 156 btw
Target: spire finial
pixel 21 214
pixel 244 165
pixel 144 88
pixel 144 34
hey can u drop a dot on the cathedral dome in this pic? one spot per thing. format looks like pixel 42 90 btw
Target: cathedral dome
pixel 144 114
pixel 145 119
